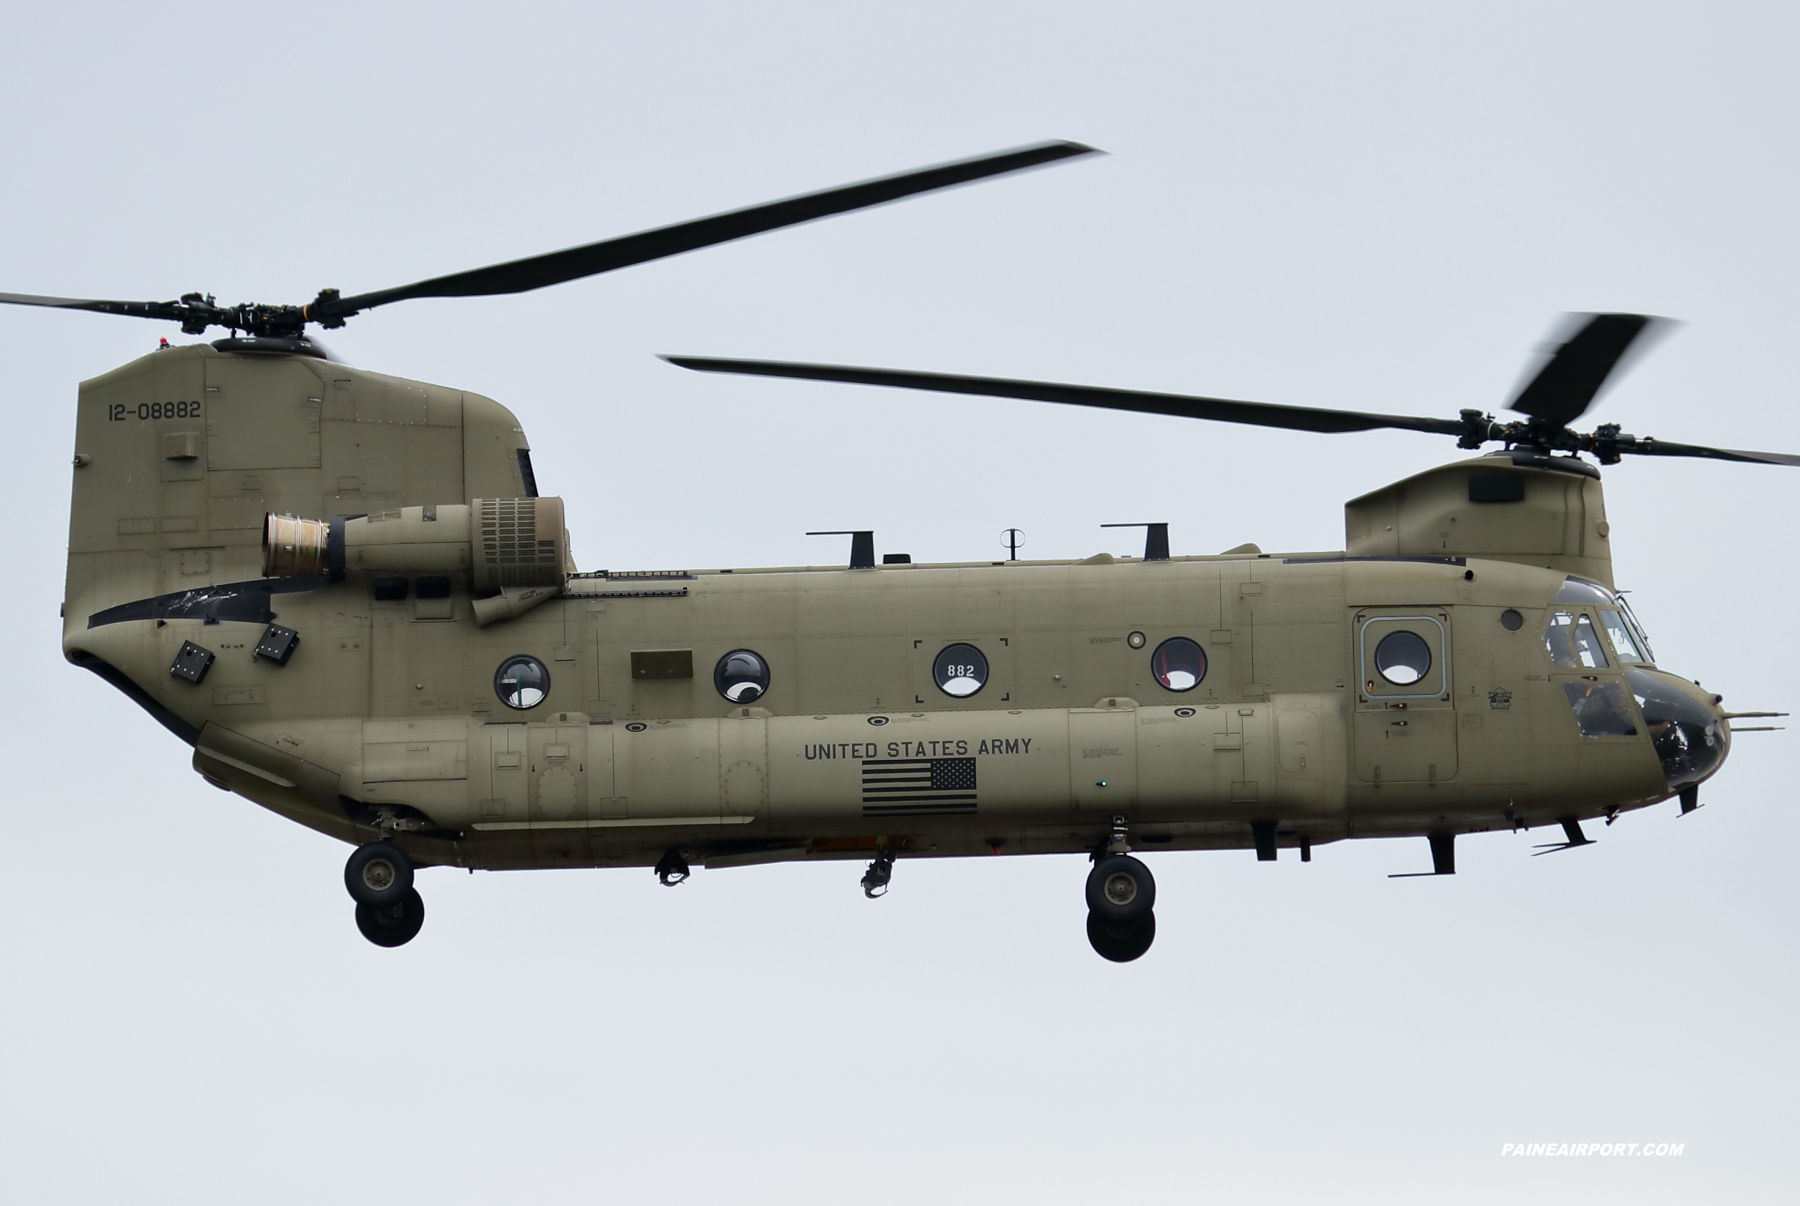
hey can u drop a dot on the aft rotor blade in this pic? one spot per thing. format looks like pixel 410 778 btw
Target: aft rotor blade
pixel 1259 414
pixel 172 310
pixel 1577 370
pixel 1650 447
pixel 559 266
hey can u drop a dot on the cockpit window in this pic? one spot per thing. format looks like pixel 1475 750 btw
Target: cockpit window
pixel 1580 590
pixel 1626 632
pixel 1637 630
pixel 1572 642
pixel 1622 641
pixel 1688 738
pixel 1587 645
pixel 1600 709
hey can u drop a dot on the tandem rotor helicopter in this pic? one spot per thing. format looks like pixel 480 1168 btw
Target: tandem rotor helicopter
pixel 345 592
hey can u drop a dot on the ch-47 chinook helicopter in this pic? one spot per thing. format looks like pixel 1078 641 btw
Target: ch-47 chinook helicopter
pixel 344 591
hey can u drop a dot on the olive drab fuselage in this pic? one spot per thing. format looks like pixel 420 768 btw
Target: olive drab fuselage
pixel 499 716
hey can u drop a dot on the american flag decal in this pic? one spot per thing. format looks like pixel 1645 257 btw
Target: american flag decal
pixel 918 786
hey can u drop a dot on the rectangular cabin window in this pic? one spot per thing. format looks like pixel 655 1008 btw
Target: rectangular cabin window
pixel 1496 487
pixel 661 664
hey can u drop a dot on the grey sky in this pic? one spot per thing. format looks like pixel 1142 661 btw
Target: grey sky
pixel 1380 206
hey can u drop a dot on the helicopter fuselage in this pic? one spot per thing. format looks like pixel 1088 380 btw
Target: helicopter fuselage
pixel 755 715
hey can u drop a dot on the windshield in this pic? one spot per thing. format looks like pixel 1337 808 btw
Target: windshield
pixel 1637 629
pixel 1614 612
pixel 1620 633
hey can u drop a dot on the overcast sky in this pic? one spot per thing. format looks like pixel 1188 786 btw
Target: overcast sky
pixel 1381 206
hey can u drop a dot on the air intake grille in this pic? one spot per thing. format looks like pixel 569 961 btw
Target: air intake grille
pixel 518 542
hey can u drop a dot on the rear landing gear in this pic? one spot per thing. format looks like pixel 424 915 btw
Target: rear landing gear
pixel 1121 944
pixel 1120 890
pixel 395 924
pixel 1121 894
pixel 378 874
pixel 379 877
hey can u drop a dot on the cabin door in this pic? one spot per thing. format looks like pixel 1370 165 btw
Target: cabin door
pixel 1405 726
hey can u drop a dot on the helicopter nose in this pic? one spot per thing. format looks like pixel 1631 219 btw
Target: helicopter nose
pixel 1687 726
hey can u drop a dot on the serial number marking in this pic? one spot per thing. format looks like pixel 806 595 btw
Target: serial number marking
pixel 118 412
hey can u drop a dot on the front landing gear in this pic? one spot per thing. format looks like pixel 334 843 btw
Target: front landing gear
pixel 671 868
pixel 875 880
pixel 379 877
pixel 1121 894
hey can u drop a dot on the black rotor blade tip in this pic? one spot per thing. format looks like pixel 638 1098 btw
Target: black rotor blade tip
pixel 1573 377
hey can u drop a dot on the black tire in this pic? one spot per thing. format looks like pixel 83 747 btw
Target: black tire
pixel 378 874
pixel 394 925
pixel 1120 890
pixel 1121 943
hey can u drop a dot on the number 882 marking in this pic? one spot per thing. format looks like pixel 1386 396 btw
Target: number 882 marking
pixel 118 412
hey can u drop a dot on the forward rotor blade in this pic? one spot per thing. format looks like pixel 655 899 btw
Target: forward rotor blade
pixel 1577 370
pixel 559 266
pixel 1259 414
pixel 1650 447
pixel 172 310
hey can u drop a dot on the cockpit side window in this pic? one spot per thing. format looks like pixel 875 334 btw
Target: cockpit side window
pixel 1600 709
pixel 1556 640
pixel 1572 642
pixel 1587 645
pixel 1622 641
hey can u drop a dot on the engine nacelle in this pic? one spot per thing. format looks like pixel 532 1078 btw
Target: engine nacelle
pixel 515 550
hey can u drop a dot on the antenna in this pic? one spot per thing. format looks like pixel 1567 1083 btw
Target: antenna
pixel 862 547
pixel 1156 538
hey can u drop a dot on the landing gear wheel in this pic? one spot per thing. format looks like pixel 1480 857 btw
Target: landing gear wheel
pixel 378 874
pixel 393 925
pixel 1120 890
pixel 1121 943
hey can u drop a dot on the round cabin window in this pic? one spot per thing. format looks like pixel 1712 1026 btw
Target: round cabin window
pixel 521 682
pixel 1511 620
pixel 741 676
pixel 1178 664
pixel 960 670
pixel 1403 658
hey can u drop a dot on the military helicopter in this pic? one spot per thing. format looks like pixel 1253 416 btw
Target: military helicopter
pixel 345 592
